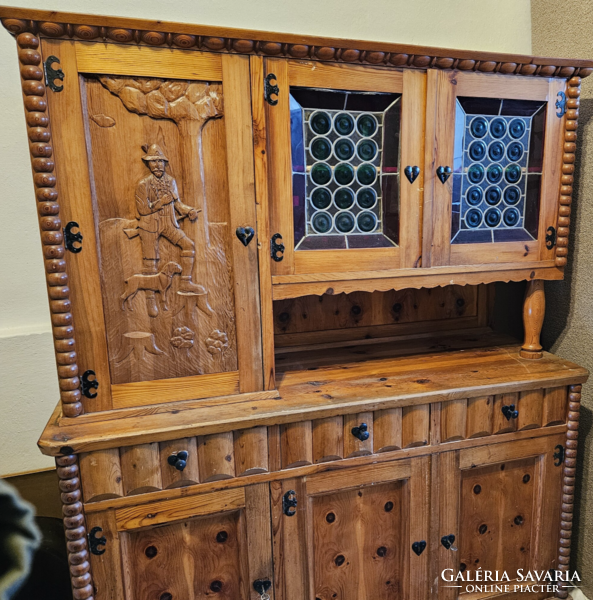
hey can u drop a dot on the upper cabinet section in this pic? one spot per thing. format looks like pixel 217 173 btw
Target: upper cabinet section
pixel 340 139
pixel 151 145
pixel 493 162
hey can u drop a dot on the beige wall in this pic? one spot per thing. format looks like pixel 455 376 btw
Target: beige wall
pixel 566 29
pixel 28 390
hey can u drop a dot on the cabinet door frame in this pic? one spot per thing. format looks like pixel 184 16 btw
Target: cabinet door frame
pixel 293 535
pixel 443 87
pixel 112 577
pixel 75 188
pixel 547 493
pixel 412 85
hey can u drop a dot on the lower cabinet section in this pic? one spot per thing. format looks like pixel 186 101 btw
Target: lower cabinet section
pixel 398 529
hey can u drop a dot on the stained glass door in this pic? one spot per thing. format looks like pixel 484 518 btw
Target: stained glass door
pixel 491 187
pixel 341 139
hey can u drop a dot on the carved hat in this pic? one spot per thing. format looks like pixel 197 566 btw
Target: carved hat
pixel 153 152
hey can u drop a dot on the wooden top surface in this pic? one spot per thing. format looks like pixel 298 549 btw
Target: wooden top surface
pixel 57 24
pixel 373 378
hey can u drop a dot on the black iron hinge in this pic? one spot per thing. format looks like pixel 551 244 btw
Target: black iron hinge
pixel 52 74
pixel 289 503
pixel 95 542
pixel 276 247
pixel 561 104
pixel 271 89
pixel 509 412
pixel 559 455
pixel 87 385
pixel 71 237
pixel 550 237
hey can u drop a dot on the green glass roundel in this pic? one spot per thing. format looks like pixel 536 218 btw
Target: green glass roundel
pixel 512 195
pixel 479 127
pixel 515 151
pixel 498 128
pixel 475 173
pixel 494 173
pixel 320 122
pixel 366 197
pixel 321 148
pixel 512 173
pixel 344 149
pixel 344 173
pixel 511 217
pixel 322 222
pixel 343 124
pixel 366 125
pixel 517 128
pixel 474 195
pixel 367 221
pixel 493 195
pixel 367 150
pixel 366 174
pixel 321 198
pixel 344 222
pixel 492 217
pixel 344 198
pixel 321 173
pixel 473 217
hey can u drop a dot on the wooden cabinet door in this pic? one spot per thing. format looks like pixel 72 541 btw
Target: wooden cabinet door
pixel 493 160
pixel 501 504
pixel 339 140
pixel 154 155
pixel 355 534
pixel 214 544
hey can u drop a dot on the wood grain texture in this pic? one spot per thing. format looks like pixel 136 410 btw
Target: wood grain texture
pixel 223 39
pixel 142 61
pixel 108 578
pixel 100 474
pixel 216 456
pixel 353 446
pixel 419 527
pixel 534 308
pixel 530 408
pixel 328 439
pixel 75 527
pixel 172 477
pixel 297 444
pixel 454 420
pixel 479 416
pixel 180 509
pixel 568 483
pixel 500 424
pixel 387 430
pixel 415 426
pixel 554 406
pixel 251 451
pixel 571 123
pixel 141 469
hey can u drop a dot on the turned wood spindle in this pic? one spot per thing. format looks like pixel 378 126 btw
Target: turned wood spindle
pixel 534 309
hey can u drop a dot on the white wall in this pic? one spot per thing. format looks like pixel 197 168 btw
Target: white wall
pixel 28 385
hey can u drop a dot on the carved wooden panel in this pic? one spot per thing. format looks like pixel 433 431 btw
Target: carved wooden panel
pixel 158 157
pixel 194 559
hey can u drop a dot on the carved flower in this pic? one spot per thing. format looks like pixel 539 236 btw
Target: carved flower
pixel 217 342
pixel 183 337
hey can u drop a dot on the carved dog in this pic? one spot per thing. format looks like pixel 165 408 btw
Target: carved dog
pixel 159 282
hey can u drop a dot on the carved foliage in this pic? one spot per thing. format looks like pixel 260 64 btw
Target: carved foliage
pixel 75 526
pixel 309 51
pixel 50 223
pixel 567 179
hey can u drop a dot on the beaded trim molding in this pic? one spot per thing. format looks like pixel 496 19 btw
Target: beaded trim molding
pixel 309 51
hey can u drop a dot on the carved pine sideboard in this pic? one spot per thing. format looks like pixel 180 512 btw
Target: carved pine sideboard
pixel 270 262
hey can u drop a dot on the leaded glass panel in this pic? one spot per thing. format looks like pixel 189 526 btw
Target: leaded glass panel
pixel 497 168
pixel 345 169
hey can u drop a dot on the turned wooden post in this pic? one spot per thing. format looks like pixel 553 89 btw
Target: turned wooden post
pixel 534 309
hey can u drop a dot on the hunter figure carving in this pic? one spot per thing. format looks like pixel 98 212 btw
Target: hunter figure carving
pixel 158 209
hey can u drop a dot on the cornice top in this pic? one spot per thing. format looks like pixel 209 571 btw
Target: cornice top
pixel 52 24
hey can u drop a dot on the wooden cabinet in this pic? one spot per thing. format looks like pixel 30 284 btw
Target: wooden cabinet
pixel 268 261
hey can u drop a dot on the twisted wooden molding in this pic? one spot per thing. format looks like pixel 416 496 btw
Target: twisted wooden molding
pixel 52 237
pixel 75 526
pixel 570 137
pixel 309 48
pixel 568 482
